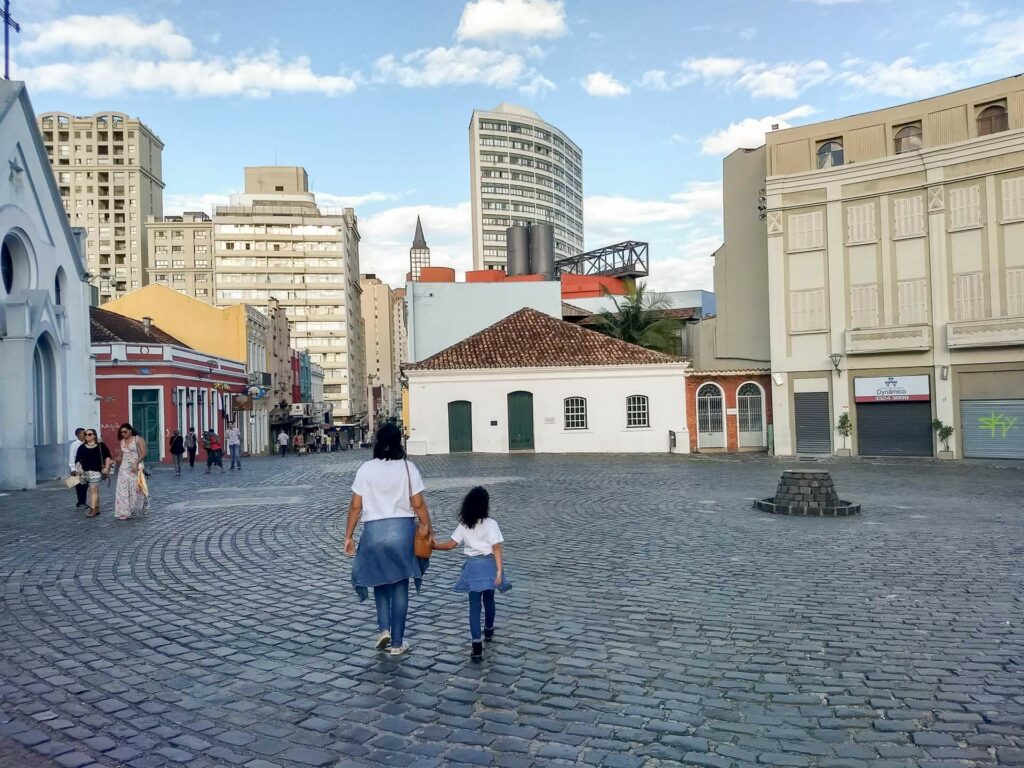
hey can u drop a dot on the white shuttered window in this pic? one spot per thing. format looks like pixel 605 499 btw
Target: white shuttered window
pixel 1013 198
pixel 807 310
pixel 860 223
pixel 965 207
pixel 913 301
pixel 969 296
pixel 908 217
pixel 1015 292
pixel 864 306
pixel 805 231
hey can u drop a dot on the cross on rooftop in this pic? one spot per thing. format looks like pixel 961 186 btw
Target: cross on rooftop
pixel 9 24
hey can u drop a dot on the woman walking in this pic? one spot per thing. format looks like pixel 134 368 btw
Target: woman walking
pixel 129 499
pixel 93 462
pixel 177 450
pixel 387 494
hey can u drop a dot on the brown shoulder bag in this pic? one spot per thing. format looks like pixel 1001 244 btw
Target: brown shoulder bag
pixel 423 544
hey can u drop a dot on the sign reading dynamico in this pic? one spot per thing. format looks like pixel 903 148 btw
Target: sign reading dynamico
pixel 887 389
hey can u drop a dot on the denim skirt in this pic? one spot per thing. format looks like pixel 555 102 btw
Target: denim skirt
pixel 478 575
pixel 386 555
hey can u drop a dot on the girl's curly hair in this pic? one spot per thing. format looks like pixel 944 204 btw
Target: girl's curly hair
pixel 475 507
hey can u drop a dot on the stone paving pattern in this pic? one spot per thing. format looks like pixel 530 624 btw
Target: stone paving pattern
pixel 656 620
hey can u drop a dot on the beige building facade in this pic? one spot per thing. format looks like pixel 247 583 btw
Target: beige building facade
pixel 378 321
pixel 523 170
pixel 272 242
pixel 400 327
pixel 179 253
pixel 109 173
pixel 896 277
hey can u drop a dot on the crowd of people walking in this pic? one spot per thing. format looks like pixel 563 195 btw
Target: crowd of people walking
pixel 91 463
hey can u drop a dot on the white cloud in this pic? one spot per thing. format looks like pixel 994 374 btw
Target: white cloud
pixel 387 237
pixel 458 65
pixel 749 133
pixel 748 33
pixel 330 200
pixel 964 18
pixel 781 80
pixel 714 67
pixel 119 32
pixel 611 216
pixel 604 85
pixel 495 19
pixel 655 80
pixel 902 78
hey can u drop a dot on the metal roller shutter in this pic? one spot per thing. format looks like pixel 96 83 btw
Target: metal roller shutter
pixel 993 429
pixel 894 429
pixel 813 427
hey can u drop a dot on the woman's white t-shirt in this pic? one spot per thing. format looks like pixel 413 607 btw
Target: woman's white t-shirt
pixel 385 488
pixel 480 539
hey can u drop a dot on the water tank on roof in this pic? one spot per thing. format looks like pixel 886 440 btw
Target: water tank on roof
pixel 542 250
pixel 517 249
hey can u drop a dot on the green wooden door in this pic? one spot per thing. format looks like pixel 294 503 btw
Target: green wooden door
pixel 460 426
pixel 520 421
pixel 146 418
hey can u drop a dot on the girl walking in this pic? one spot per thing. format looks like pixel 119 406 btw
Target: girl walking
pixel 482 571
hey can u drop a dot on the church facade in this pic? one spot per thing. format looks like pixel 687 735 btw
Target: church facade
pixel 47 373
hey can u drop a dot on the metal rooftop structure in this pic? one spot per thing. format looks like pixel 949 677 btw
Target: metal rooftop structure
pixel 625 259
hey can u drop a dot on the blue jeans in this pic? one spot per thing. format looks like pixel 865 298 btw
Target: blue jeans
pixel 235 458
pixel 392 607
pixel 474 613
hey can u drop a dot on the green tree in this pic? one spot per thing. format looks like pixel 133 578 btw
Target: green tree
pixel 639 318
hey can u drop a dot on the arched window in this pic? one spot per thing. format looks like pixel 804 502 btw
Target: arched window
pixel 830 153
pixel 15 264
pixel 58 286
pixel 7 267
pixel 908 138
pixel 992 119
pixel 636 411
pixel 575 413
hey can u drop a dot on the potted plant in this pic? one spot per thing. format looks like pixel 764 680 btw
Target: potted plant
pixel 944 432
pixel 844 427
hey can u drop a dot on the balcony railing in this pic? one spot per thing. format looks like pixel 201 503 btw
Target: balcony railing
pixel 873 341
pixel 997 332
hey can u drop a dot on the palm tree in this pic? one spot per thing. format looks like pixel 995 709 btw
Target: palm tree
pixel 639 318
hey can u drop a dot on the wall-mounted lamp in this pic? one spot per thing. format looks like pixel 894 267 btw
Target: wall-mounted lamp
pixel 944 372
pixel 835 357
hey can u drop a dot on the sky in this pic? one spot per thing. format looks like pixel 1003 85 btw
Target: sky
pixel 374 97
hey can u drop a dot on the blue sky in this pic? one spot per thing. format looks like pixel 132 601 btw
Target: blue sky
pixel 374 97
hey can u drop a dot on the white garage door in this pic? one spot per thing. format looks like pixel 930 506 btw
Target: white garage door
pixel 993 429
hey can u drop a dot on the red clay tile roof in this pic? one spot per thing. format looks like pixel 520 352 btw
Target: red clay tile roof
pixel 106 327
pixel 532 339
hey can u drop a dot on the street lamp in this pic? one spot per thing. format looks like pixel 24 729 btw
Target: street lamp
pixel 835 357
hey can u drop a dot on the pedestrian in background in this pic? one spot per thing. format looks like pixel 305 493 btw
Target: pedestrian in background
pixel 93 462
pixel 177 450
pixel 282 442
pixel 234 439
pixel 82 488
pixel 129 500
pixel 192 446
pixel 298 443
pixel 214 452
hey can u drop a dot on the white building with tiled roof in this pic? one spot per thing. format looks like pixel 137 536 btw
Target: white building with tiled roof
pixel 532 382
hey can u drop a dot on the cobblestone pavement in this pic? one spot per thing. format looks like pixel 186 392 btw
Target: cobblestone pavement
pixel 656 620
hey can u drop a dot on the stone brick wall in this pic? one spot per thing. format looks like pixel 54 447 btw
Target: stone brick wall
pixel 730 384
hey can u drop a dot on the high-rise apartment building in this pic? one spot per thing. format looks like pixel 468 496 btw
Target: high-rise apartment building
pixel 419 254
pixel 109 172
pixel 400 328
pixel 179 253
pixel 378 320
pixel 522 170
pixel 274 242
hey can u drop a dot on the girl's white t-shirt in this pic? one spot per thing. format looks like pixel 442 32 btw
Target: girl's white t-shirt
pixel 480 539
pixel 386 488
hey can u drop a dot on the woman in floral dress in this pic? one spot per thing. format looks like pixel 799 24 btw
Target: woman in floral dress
pixel 129 500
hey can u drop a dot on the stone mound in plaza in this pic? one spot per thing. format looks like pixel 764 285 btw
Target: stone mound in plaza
pixel 807 492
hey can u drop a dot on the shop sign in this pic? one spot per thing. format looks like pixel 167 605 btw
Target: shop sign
pixel 891 389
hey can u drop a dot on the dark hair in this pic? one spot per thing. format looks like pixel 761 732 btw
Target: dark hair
pixel 79 429
pixel 127 426
pixel 475 507
pixel 388 445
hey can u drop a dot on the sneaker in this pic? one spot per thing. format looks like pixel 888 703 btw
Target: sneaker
pixel 383 641
pixel 477 654
pixel 398 650
pixel 489 634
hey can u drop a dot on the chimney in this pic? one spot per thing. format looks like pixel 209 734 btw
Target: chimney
pixel 147 323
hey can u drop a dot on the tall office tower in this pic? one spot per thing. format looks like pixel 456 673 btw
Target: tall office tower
pixel 522 170
pixel 108 169
pixel 378 322
pixel 274 242
pixel 179 253
pixel 419 254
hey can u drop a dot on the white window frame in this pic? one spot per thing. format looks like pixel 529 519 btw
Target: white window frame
pixel 637 407
pixel 912 301
pixel 574 413
pixel 864 305
pixel 132 389
pixel 1015 292
pixel 969 296
pixel 1013 199
pixel 860 224
pixel 964 208
pixel 908 217
pixel 807 311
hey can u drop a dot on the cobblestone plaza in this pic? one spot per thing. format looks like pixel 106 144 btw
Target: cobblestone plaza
pixel 656 620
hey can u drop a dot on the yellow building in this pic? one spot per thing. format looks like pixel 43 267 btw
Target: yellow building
pixel 240 332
